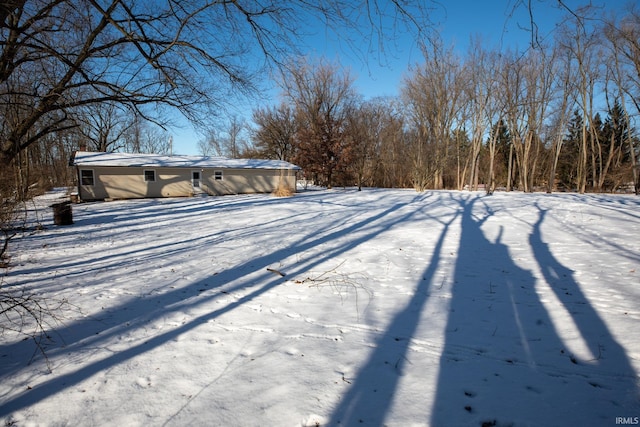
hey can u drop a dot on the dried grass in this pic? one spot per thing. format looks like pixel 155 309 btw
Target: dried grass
pixel 283 190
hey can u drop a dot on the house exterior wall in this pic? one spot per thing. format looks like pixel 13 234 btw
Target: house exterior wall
pixel 129 182
pixel 242 181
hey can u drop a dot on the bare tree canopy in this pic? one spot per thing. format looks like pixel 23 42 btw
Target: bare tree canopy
pixel 323 95
pixel 193 55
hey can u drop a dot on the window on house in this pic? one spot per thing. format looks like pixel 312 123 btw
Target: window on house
pixel 217 175
pixel 149 176
pixel 86 177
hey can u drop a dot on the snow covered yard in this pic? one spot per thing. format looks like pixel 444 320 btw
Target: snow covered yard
pixel 396 308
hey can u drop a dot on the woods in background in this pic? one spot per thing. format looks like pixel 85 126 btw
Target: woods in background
pixel 555 117
pixel 102 76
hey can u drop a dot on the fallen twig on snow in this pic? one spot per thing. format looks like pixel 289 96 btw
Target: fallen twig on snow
pixel 339 282
pixel 278 272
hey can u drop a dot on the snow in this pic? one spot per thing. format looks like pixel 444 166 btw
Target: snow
pixel 396 308
pixel 100 159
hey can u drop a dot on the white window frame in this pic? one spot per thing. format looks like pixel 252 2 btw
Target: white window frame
pixel 218 175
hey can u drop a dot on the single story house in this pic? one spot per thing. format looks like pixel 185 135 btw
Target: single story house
pixel 127 176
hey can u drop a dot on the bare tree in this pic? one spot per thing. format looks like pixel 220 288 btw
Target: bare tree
pixel 510 83
pixel 275 132
pixel 235 141
pixel 323 95
pixel 480 98
pixel 526 90
pixel 623 37
pixel 364 132
pixel 226 139
pixel 539 86
pixel 194 56
pixel 494 114
pixel 581 42
pixel 563 93
pixel 393 161
pixel 211 144
pixel 146 137
pixel 433 93
pixel 104 126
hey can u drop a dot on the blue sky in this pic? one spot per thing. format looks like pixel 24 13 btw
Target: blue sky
pixel 501 24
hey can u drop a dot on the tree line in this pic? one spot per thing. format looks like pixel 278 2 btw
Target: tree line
pixel 557 117
pixel 102 75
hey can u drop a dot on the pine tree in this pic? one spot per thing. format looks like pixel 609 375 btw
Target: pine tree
pixel 615 132
pixel 616 149
pixel 504 150
pixel 569 156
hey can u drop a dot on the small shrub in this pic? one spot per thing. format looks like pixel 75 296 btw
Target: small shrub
pixel 283 190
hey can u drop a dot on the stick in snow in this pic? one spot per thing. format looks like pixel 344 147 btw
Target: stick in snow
pixel 279 273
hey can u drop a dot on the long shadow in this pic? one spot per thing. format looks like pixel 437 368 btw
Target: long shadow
pixel 142 212
pixel 164 250
pixel 129 255
pixel 609 359
pixel 504 362
pixel 371 393
pixel 618 206
pixel 241 278
pixel 119 217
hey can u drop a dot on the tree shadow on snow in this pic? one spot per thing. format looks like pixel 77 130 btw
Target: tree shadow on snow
pixel 371 394
pixel 249 279
pixel 503 361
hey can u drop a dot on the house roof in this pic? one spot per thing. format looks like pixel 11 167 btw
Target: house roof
pixel 99 159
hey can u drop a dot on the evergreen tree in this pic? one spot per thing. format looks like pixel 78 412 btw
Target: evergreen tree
pixel 618 143
pixel 503 150
pixel 615 131
pixel 569 156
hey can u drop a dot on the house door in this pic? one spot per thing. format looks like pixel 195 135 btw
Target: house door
pixel 195 179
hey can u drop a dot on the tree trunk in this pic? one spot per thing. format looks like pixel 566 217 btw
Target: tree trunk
pixel 510 167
